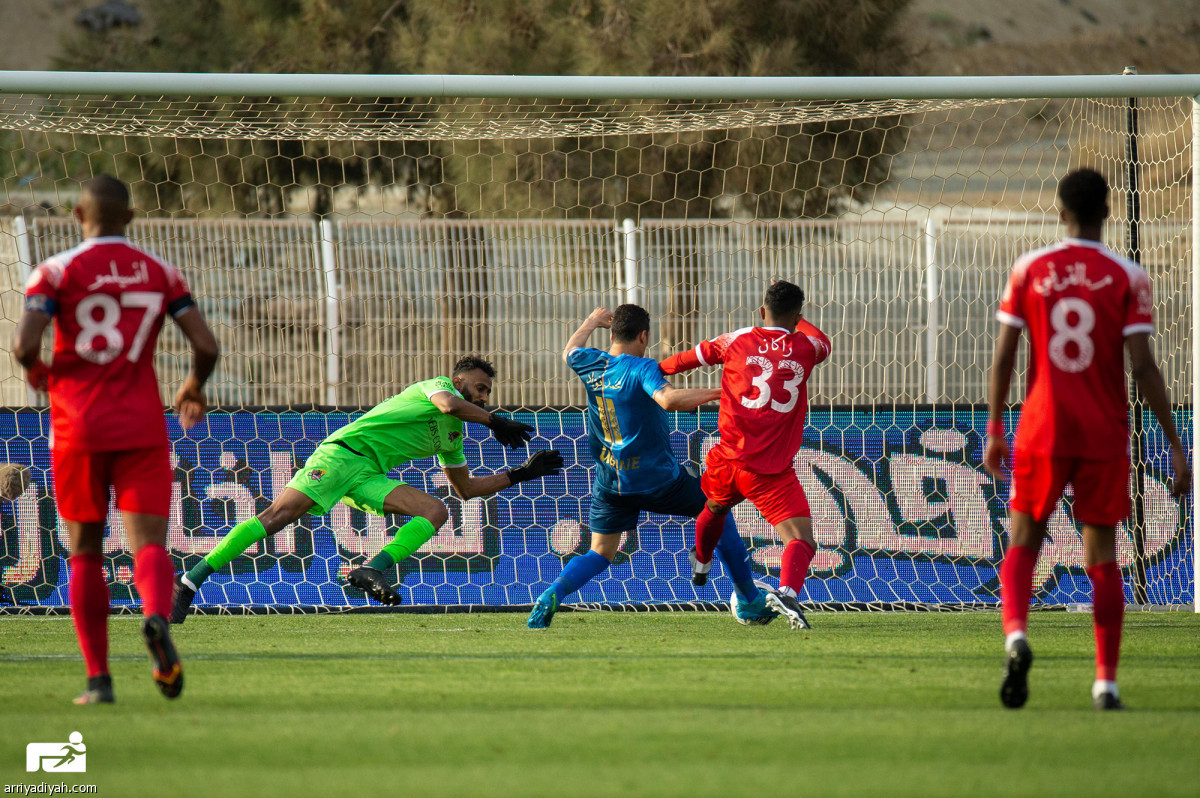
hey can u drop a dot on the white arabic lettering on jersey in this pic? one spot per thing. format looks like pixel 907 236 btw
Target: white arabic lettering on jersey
pixel 1076 274
pixel 781 345
pixel 141 274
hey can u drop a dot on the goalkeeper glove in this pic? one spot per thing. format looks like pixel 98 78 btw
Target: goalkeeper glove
pixel 541 463
pixel 510 433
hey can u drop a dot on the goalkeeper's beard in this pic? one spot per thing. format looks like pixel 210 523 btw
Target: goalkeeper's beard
pixel 470 397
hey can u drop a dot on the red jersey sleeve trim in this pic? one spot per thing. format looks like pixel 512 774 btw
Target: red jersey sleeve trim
pixel 1134 329
pixel 700 356
pixel 48 273
pixel 819 339
pixel 1010 320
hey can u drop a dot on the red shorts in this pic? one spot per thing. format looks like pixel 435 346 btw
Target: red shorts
pixel 777 496
pixel 140 478
pixel 1101 487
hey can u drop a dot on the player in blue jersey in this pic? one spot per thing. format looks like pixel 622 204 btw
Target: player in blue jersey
pixel 629 435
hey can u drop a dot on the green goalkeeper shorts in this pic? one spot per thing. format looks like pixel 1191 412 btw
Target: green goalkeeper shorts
pixel 334 474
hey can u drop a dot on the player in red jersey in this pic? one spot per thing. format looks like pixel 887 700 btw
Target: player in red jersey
pixel 1083 306
pixel 107 299
pixel 764 401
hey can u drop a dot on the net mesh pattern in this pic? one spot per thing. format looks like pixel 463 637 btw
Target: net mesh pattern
pixel 343 249
pixel 420 119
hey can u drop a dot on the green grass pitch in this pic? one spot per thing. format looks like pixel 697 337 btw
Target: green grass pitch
pixel 612 704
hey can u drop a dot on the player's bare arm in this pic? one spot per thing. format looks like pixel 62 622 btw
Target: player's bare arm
pixel 475 385
pixel 1003 359
pixel 470 487
pixel 460 408
pixel 672 398
pixel 1146 373
pixel 510 433
pixel 190 404
pixel 27 347
pixel 600 317
pixel 542 463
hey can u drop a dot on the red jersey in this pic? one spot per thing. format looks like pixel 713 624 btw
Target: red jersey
pixel 108 299
pixel 1079 302
pixel 764 392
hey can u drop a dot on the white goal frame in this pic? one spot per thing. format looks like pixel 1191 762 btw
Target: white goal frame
pixel 664 88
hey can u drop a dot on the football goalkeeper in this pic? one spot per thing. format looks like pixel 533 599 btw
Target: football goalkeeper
pixel 351 466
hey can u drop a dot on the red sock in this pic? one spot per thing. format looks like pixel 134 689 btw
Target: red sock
pixel 797 555
pixel 1108 612
pixel 89 610
pixel 709 527
pixel 154 576
pixel 1016 587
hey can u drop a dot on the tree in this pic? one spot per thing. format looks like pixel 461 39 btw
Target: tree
pixel 782 171
pixel 191 176
pixel 759 172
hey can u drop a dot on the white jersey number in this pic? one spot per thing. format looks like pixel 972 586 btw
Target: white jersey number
pixel 762 385
pixel 104 328
pixel 1078 333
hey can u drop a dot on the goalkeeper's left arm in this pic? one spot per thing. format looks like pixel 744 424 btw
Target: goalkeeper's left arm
pixel 542 463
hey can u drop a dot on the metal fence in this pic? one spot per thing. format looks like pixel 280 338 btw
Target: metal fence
pixel 347 313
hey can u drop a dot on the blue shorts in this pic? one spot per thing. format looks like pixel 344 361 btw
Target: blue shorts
pixel 614 513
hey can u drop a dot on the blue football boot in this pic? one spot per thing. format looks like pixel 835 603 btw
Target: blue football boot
pixel 751 613
pixel 543 610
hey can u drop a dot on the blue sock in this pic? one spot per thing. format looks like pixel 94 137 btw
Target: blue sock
pixel 578 572
pixel 737 560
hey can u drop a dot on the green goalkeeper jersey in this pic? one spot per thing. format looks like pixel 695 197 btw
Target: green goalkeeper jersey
pixel 407 427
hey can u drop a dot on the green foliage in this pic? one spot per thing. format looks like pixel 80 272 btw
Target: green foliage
pixel 781 171
pixel 191 177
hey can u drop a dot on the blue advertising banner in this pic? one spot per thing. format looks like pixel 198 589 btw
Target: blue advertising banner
pixel 902 509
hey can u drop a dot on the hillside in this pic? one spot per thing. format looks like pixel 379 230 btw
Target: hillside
pixel 952 37
pixel 1055 37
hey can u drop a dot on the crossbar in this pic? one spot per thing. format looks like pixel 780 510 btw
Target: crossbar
pixel 599 87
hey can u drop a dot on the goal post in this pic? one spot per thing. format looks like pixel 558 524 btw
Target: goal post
pixel 348 235
pixel 1195 338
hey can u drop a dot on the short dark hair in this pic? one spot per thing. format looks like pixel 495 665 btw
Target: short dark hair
pixel 105 199
pixel 108 188
pixel 783 299
pixel 628 322
pixel 1084 192
pixel 470 363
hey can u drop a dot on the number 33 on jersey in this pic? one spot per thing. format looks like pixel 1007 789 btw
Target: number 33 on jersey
pixel 108 300
pixel 764 392
pixel 1079 302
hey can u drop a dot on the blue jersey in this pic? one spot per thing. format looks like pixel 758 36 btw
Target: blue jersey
pixel 627 430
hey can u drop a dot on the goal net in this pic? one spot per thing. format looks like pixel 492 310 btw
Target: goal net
pixel 346 246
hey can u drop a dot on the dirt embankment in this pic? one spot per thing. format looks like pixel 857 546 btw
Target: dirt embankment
pixel 1054 37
